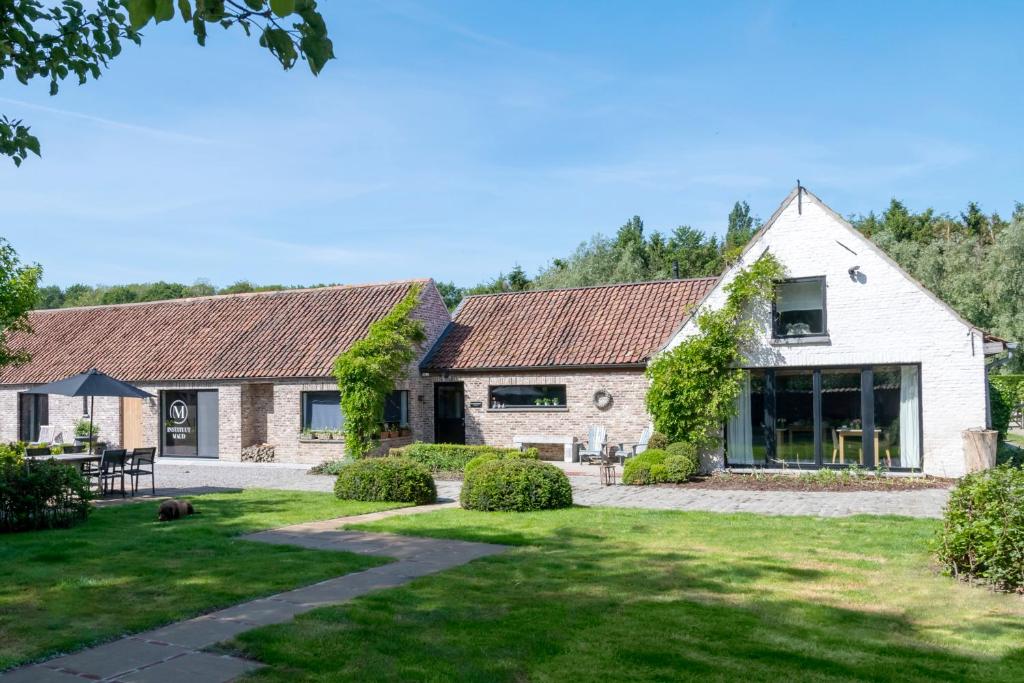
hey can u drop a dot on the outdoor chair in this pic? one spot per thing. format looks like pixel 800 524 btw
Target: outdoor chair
pixel 593 449
pixel 112 466
pixel 46 434
pixel 142 463
pixel 622 452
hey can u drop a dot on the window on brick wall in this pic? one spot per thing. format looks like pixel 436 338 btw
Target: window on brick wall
pixel 321 410
pixel 527 396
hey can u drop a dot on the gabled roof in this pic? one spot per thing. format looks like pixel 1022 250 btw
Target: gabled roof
pixel 610 325
pixel 801 193
pixel 265 335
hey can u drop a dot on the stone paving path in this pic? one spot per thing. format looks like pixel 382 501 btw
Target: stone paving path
pixel 174 653
pixel 189 479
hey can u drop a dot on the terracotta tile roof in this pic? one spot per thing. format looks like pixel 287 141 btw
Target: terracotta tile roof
pixel 292 333
pixel 607 325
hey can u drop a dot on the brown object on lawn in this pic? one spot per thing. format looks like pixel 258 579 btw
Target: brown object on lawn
pixel 174 509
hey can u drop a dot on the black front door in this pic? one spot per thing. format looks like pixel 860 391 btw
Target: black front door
pixel 449 413
pixel 33 411
pixel 190 423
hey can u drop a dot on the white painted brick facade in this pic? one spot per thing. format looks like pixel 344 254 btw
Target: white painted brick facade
pixel 885 319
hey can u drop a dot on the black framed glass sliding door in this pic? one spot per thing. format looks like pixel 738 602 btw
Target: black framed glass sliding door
pixel 190 423
pixel 827 417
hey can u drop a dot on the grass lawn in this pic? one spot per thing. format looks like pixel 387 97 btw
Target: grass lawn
pixel 1016 439
pixel 122 571
pixel 634 595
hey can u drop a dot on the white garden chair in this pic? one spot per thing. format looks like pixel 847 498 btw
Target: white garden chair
pixel 628 450
pixel 593 449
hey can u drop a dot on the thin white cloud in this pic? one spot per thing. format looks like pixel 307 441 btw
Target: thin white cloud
pixel 159 132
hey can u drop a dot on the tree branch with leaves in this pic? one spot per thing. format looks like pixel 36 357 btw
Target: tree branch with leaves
pixel 60 40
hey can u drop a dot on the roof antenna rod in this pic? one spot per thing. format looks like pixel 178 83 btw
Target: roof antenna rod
pixel 799 198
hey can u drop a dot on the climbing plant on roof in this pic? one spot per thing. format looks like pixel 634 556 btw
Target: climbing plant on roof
pixel 695 384
pixel 368 370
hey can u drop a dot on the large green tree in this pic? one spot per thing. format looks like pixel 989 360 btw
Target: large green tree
pixel 60 40
pixel 19 284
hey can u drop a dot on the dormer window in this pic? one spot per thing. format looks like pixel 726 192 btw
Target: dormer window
pixel 799 309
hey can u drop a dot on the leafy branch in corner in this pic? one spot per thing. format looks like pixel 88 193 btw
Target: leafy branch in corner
pixel 58 40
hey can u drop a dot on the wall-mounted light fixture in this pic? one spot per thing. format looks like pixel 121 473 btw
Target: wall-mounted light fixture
pixel 853 272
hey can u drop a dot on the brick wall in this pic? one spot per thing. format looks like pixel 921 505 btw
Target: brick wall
pixel 624 419
pixel 257 409
pixel 881 318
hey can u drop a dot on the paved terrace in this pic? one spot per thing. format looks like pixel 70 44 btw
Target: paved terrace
pixel 175 477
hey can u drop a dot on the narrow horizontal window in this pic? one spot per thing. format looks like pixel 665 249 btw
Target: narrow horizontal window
pixel 527 396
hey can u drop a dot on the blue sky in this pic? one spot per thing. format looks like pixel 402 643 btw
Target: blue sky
pixel 456 139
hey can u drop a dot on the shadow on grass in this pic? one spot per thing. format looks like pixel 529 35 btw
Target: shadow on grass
pixel 588 605
pixel 123 571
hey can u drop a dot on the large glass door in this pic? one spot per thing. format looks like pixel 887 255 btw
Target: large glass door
pixel 823 417
pixel 190 423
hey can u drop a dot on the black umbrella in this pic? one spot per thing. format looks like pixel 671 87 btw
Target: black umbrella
pixel 93 383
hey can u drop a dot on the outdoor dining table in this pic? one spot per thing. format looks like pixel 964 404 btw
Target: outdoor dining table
pixel 70 458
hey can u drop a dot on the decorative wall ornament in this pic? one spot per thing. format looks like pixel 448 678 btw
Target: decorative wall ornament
pixel 603 399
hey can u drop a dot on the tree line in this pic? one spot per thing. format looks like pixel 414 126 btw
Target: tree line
pixel 973 260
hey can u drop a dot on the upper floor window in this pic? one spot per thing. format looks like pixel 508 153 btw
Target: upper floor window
pixel 527 396
pixel 799 309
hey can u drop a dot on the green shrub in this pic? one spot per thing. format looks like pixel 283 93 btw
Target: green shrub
pixel 45 495
pixel 451 457
pixel 528 454
pixel 646 468
pixel 1006 392
pixel 516 485
pixel 683 461
pixel 982 536
pixel 12 453
pixel 391 479
pixel 658 441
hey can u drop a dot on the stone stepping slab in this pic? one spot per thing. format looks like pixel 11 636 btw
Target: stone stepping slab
pixel 174 653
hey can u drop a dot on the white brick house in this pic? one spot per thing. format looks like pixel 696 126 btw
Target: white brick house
pixel 883 356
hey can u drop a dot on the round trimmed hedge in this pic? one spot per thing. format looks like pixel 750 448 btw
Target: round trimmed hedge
pixel 672 465
pixel 528 454
pixel 515 485
pixel 395 480
pixel 982 536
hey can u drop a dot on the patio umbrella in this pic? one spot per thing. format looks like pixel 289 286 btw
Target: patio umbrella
pixel 92 384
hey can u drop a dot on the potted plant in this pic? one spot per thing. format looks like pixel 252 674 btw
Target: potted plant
pixel 538 401
pixel 82 431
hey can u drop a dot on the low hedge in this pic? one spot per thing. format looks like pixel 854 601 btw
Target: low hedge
pixel 982 536
pixel 671 465
pixel 450 457
pixel 390 479
pixel 43 495
pixel 515 485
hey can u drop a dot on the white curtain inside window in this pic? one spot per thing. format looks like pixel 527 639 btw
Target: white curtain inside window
pixel 799 296
pixel 738 434
pixel 910 414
